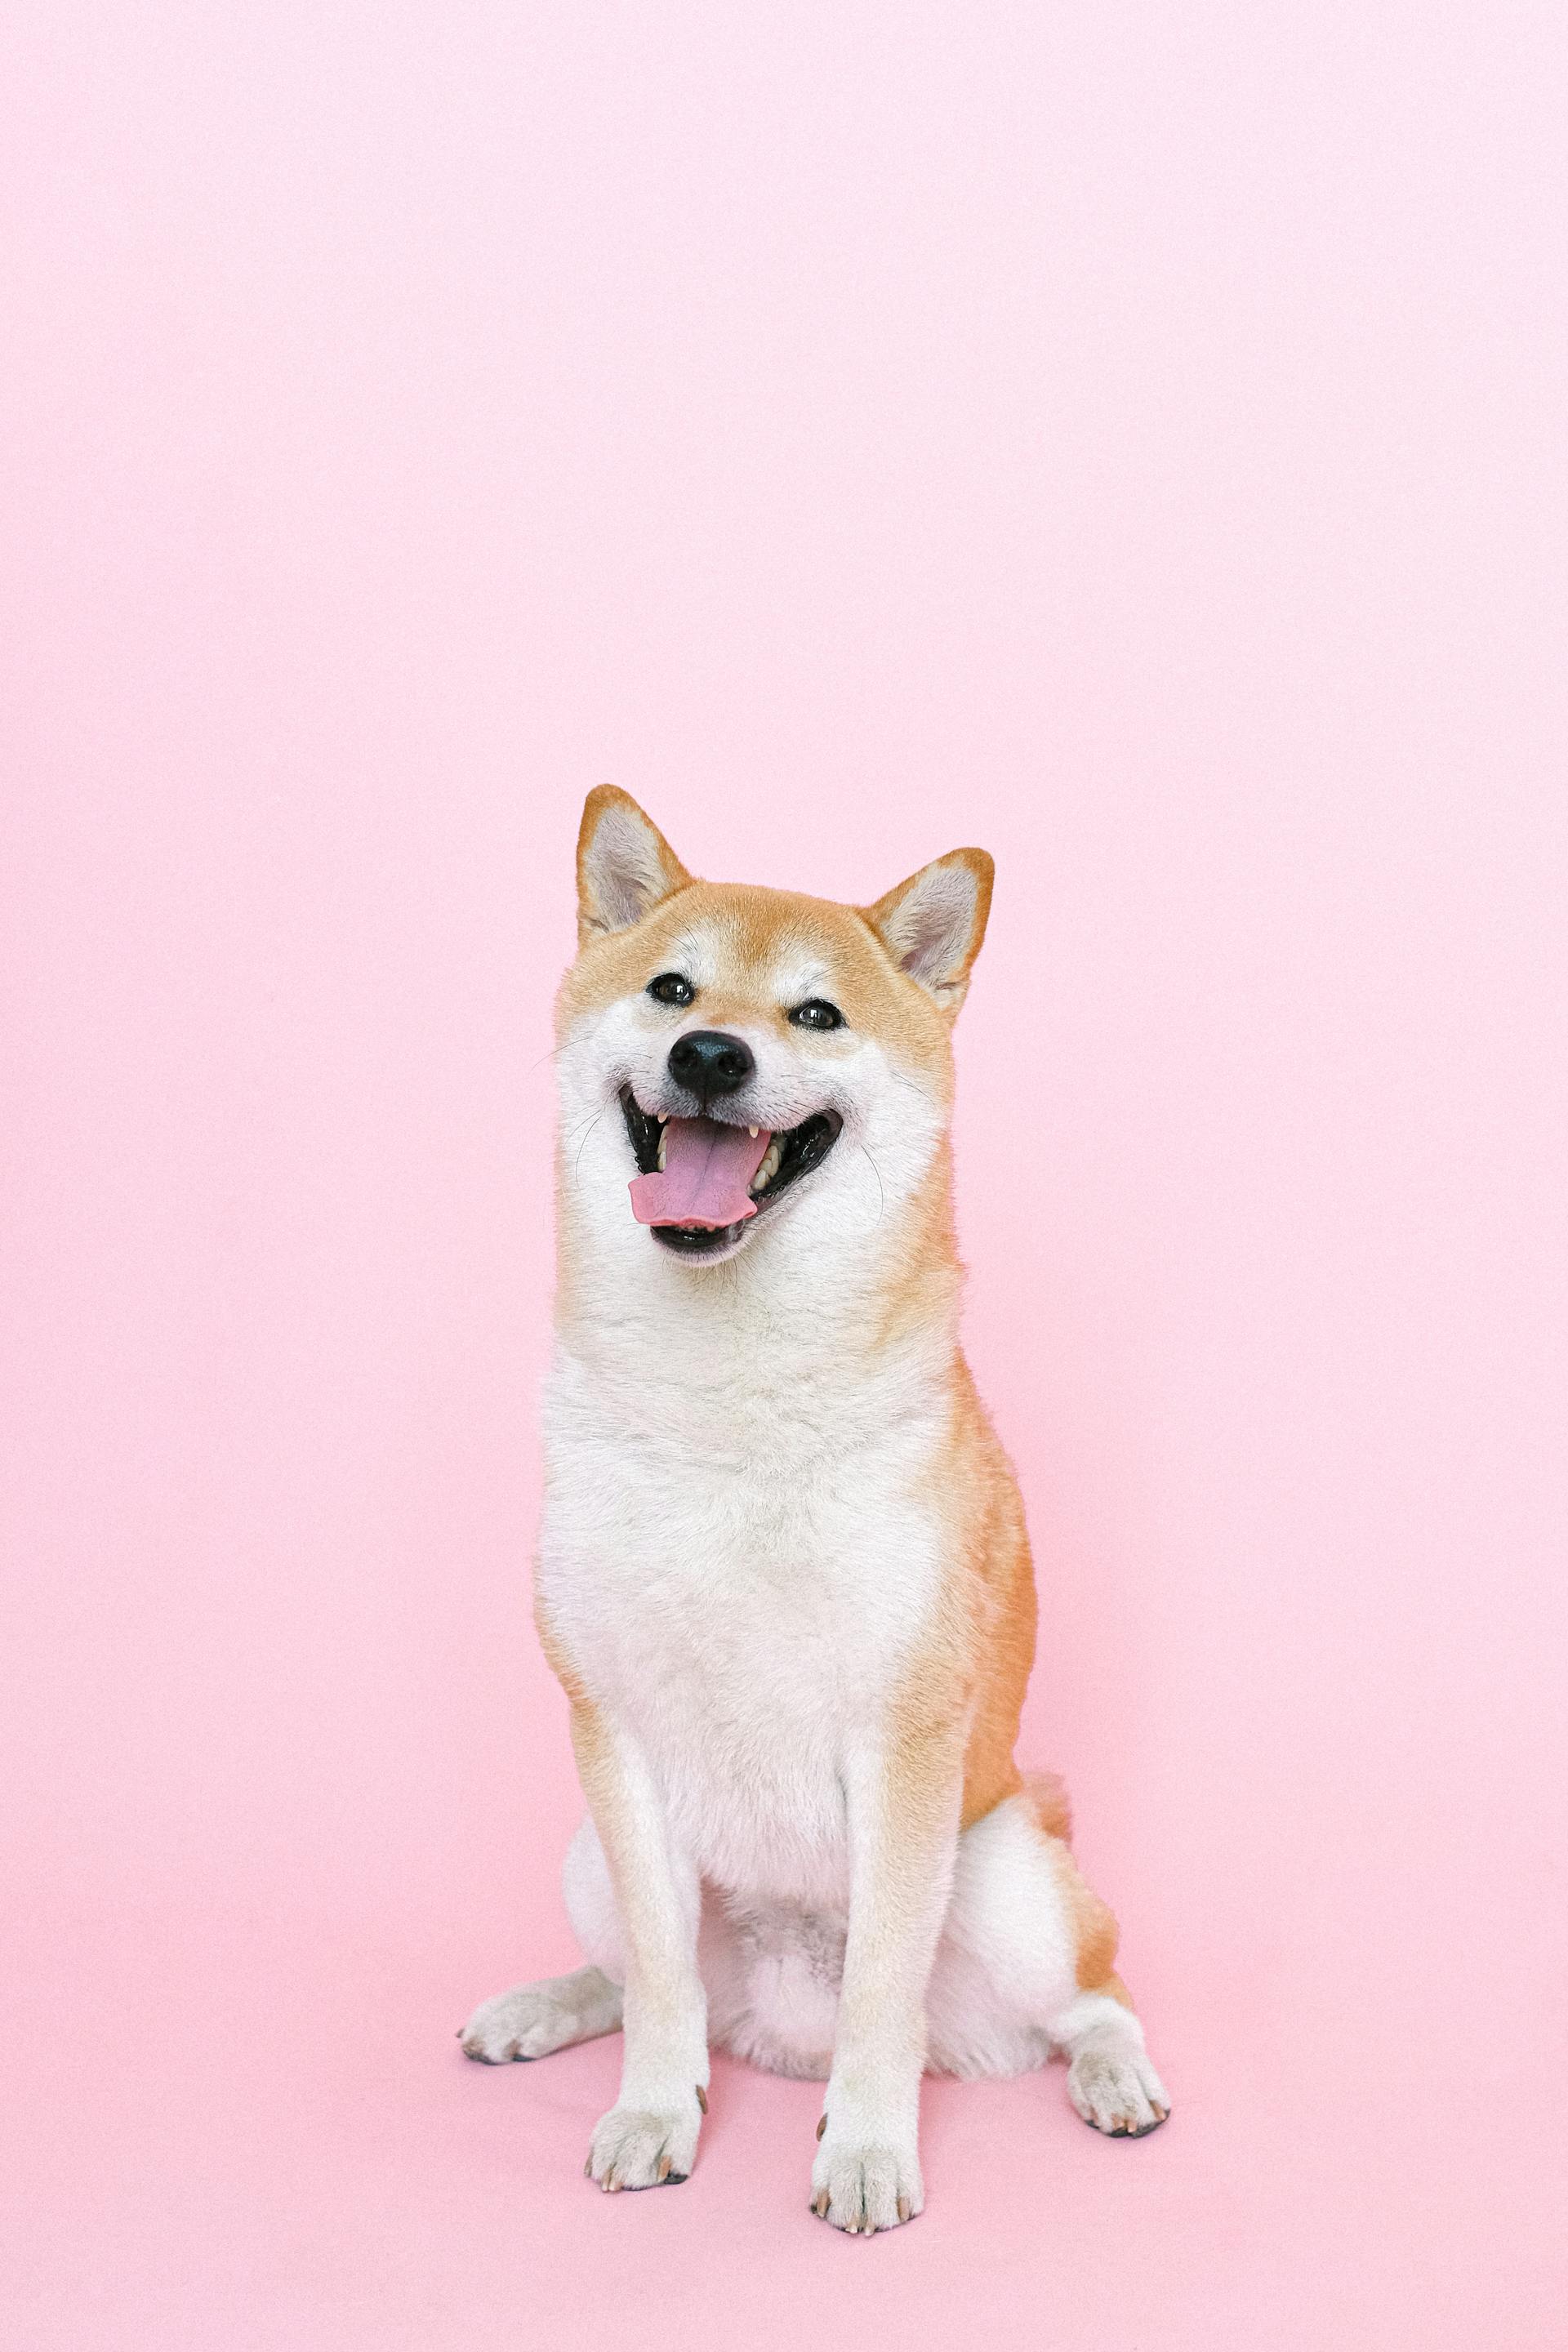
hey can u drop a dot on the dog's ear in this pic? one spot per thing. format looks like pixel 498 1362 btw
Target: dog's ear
pixel 624 865
pixel 933 924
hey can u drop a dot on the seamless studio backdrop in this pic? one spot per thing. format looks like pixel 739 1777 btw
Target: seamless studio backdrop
pixel 1127 439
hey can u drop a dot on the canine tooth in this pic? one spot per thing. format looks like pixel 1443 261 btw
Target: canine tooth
pixel 753 1133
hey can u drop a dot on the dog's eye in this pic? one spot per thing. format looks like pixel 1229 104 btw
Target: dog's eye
pixel 671 988
pixel 817 1013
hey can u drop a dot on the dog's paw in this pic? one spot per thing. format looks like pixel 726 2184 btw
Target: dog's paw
pixel 1118 2091
pixel 862 2188
pixel 528 2023
pixel 644 2147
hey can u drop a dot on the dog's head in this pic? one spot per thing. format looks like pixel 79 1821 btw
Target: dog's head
pixel 762 1055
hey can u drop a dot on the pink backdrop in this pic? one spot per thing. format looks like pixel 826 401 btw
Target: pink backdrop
pixel 1128 437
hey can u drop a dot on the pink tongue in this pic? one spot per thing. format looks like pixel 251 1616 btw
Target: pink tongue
pixel 707 1167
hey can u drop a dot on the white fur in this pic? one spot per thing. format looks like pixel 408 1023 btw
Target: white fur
pixel 535 2019
pixel 740 1553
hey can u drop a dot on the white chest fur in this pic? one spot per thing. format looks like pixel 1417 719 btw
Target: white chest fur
pixel 739 1558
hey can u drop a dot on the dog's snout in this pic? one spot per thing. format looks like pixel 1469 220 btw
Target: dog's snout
pixel 708 1062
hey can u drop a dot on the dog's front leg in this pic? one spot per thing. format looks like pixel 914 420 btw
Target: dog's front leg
pixel 650 2134
pixel 903 1806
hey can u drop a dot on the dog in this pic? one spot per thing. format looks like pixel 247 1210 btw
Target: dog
pixel 782 1575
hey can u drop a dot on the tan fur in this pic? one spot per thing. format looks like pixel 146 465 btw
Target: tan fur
pixel 981 1663
pixel 944 1758
pixel 754 925
pixel 606 801
pixel 1094 1923
pixel 984 1667
pixel 1049 1804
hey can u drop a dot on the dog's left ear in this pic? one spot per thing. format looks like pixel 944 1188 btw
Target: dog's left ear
pixel 624 865
pixel 933 924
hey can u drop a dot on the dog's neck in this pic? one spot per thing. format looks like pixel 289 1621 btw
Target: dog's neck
pixel 867 1304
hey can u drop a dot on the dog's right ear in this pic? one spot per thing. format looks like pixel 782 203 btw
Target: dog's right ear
pixel 624 865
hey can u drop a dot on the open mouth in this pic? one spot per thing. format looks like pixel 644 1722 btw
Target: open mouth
pixel 701 1180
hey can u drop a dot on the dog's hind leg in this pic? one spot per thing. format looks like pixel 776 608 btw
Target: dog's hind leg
pixel 533 2020
pixel 1024 1971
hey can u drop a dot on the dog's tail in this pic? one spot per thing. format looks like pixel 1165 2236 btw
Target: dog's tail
pixel 1046 1794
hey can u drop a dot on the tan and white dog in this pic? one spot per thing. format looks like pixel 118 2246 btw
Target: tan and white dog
pixel 782 1574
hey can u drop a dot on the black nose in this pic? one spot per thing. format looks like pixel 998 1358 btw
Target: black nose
pixel 706 1062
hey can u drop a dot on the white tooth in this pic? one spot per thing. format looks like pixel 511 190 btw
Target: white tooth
pixel 753 1133
pixel 661 1135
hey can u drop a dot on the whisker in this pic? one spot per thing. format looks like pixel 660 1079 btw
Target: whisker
pixel 570 1133
pixel 592 1123
pixel 567 1046
pixel 877 1172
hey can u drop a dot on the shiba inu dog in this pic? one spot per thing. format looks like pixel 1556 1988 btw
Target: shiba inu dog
pixel 782 1575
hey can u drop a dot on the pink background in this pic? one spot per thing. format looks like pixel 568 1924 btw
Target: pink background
pixel 1126 436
